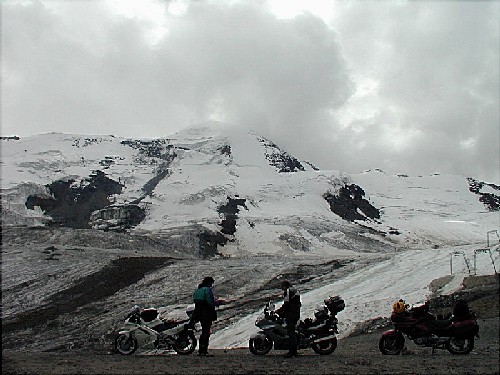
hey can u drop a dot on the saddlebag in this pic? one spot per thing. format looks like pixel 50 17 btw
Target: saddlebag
pixel 464 328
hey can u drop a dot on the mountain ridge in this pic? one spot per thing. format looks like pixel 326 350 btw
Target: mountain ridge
pixel 113 183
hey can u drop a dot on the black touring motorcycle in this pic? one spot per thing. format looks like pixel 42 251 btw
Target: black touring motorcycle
pixel 318 333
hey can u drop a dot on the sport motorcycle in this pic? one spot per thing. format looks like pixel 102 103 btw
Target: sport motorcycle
pixel 145 329
pixel 455 332
pixel 318 333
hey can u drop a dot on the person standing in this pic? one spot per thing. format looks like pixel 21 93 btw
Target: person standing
pixel 204 311
pixel 290 311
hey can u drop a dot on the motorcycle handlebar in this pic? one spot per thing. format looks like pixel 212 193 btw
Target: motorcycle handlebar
pixel 274 317
pixel 131 314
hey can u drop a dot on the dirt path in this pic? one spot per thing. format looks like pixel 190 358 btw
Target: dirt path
pixel 354 355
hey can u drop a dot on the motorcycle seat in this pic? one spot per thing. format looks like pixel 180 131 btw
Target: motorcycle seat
pixel 165 325
pixel 316 328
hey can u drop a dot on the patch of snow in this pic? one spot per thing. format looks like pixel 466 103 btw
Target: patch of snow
pixel 371 291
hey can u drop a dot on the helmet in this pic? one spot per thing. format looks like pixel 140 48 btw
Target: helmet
pixel 285 283
pixel 399 307
pixel 209 280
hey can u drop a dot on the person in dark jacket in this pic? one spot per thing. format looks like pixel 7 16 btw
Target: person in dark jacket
pixel 290 311
pixel 204 311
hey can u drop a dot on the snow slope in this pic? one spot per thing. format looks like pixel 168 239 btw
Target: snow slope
pixel 371 291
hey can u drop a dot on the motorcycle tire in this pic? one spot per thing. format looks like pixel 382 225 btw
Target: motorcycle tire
pixel 325 347
pixel 391 345
pixel 185 343
pixel 460 346
pixel 125 344
pixel 260 346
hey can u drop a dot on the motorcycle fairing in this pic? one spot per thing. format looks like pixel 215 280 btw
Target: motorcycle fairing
pixel 258 335
pixel 278 338
pixel 391 332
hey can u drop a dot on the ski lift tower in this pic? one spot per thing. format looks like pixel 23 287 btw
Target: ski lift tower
pixel 458 254
pixel 493 245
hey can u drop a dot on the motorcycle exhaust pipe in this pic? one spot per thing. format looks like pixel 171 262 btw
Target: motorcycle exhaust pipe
pixel 321 339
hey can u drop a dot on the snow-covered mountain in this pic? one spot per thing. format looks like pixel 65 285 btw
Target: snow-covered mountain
pixel 242 191
pixel 221 200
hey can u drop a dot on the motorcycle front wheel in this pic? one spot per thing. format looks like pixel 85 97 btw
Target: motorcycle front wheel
pixel 391 345
pixel 325 347
pixel 460 346
pixel 260 346
pixel 125 344
pixel 185 343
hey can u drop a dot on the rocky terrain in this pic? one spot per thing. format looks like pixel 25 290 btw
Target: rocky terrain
pixel 356 354
pixel 81 294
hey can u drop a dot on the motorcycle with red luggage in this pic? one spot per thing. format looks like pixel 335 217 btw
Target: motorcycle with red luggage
pixel 455 333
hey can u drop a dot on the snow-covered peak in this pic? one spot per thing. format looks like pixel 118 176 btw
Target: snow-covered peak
pixel 242 191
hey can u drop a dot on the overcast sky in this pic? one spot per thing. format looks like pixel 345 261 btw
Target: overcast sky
pixel 407 87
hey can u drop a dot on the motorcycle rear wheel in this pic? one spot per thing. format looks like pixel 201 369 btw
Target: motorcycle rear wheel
pixel 260 346
pixel 460 346
pixel 325 347
pixel 185 343
pixel 391 345
pixel 125 344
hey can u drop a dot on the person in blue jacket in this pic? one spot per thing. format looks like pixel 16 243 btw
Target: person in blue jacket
pixel 204 311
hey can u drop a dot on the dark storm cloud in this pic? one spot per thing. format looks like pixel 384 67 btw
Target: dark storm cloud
pixel 430 72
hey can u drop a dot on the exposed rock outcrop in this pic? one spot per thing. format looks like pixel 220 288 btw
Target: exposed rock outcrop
pixel 349 203
pixel 210 240
pixel 229 212
pixel 117 218
pixel 489 199
pixel 280 159
pixel 72 204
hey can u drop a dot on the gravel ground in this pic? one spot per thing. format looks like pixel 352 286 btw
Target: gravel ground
pixel 354 355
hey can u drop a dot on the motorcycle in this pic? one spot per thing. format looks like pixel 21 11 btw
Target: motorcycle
pixel 145 329
pixel 455 332
pixel 318 333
